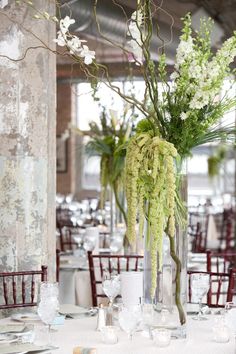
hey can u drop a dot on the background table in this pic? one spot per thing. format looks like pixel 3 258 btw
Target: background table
pixel 74 284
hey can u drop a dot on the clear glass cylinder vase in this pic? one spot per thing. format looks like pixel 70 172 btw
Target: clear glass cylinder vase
pixel 170 298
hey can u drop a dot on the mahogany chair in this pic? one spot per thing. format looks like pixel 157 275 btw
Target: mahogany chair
pixel 198 224
pixel 101 264
pixel 220 261
pixel 222 287
pixel 57 264
pixel 67 242
pixel 19 288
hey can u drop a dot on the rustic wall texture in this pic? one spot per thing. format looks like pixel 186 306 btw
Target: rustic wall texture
pixel 27 141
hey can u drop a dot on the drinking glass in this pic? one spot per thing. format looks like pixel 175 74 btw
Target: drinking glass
pixel 148 318
pixel 89 243
pixel 49 305
pixel 230 316
pixel 129 319
pixel 200 284
pixel 111 288
pixel 116 243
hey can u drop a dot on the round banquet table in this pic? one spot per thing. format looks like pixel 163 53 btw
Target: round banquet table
pixel 81 332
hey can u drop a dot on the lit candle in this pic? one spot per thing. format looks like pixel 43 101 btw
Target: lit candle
pixel 109 335
pixel 161 337
pixel 221 333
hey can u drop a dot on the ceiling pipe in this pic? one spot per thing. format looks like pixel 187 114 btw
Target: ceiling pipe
pixel 113 25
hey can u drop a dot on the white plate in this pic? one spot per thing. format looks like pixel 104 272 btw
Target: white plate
pixel 7 338
pixel 25 317
pixel 68 309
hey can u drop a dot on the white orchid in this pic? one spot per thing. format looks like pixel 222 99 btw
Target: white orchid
pixel 61 39
pixel 133 31
pixel 65 24
pixel 134 28
pixel 87 54
pixel 137 16
pixel 136 50
pixel 75 44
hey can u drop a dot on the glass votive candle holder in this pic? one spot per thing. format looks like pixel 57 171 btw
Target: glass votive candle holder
pixel 109 334
pixel 221 333
pixel 161 337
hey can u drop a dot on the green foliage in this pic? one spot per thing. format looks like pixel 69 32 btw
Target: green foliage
pixel 150 191
pixel 215 161
pixel 109 142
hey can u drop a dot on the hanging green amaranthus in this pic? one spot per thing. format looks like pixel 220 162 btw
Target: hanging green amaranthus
pixel 150 192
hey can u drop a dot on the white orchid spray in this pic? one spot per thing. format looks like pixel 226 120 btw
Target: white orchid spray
pixel 135 26
pixel 73 43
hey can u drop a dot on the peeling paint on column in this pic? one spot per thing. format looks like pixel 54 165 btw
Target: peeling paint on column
pixel 27 144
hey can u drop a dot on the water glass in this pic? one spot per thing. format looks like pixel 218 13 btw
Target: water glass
pixel 129 319
pixel 221 332
pixel 161 337
pixel 49 305
pixel 111 286
pixel 109 335
pixel 89 243
pixel 200 284
pixel 116 243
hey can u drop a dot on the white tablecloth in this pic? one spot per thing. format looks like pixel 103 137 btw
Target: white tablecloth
pixel 75 288
pixel 81 332
pixel 212 234
pixel 74 283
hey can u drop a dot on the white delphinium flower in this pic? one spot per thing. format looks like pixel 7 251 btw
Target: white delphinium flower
pixel 184 115
pixel 184 51
pixel 200 100
pixel 167 116
pixel 87 54
pixel 174 75
pixel 65 24
pixel 195 70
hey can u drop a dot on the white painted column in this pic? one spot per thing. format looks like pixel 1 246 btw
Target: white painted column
pixel 27 141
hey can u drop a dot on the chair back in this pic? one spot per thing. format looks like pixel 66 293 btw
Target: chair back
pixel 232 286
pixel 19 288
pixel 220 261
pixel 109 264
pixel 67 242
pixel 222 287
pixel 57 264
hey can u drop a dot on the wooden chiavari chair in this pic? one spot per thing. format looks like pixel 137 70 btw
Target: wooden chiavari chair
pixel 19 288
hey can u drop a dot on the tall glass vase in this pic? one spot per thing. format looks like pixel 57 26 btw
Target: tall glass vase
pixel 171 293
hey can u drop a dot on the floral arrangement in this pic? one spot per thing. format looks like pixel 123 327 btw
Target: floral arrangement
pixel 108 142
pixel 216 160
pixel 178 115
